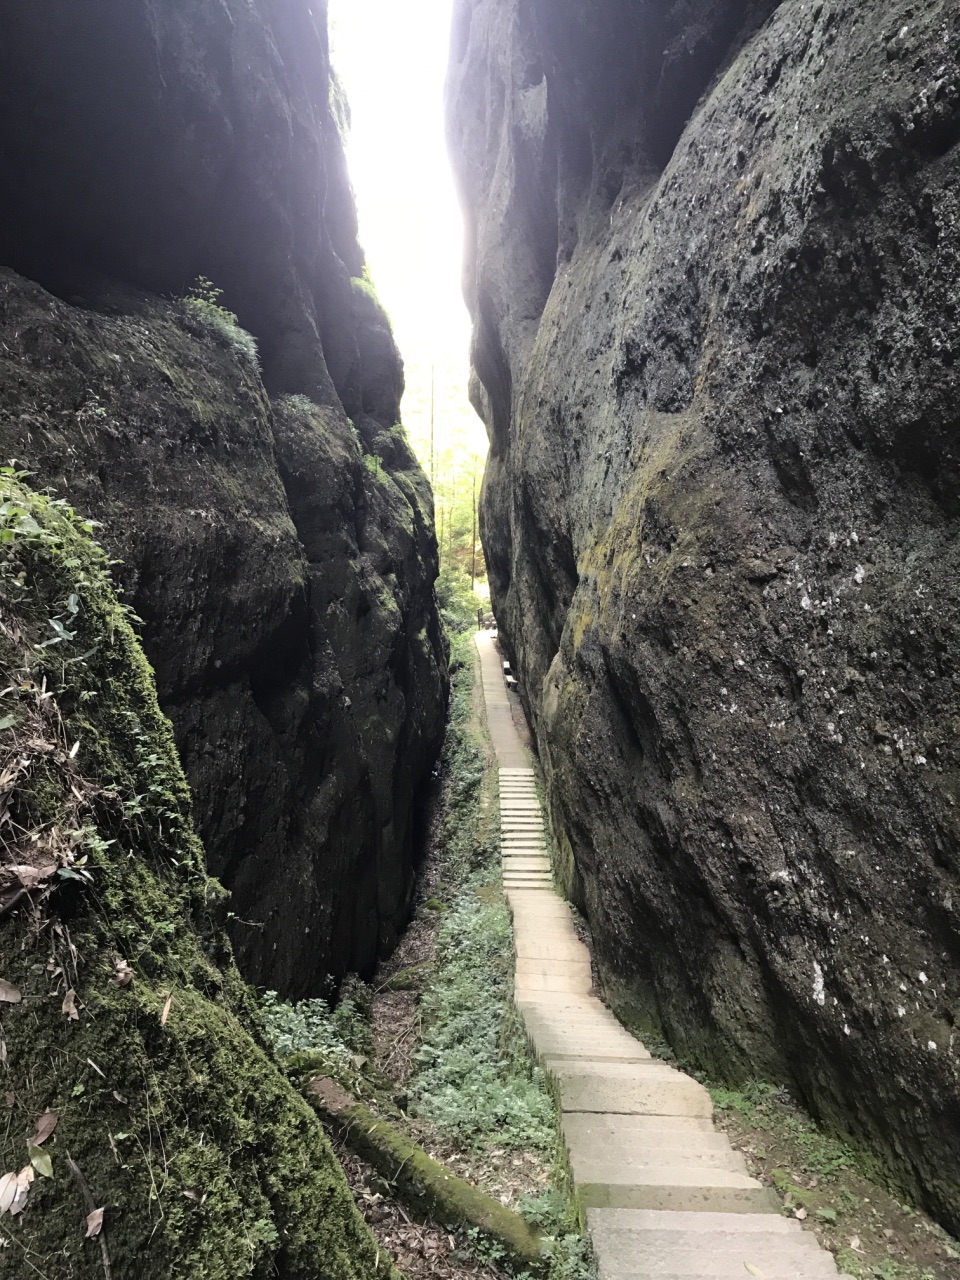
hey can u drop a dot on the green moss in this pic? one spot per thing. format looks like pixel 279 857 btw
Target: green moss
pixel 431 1189
pixel 207 1162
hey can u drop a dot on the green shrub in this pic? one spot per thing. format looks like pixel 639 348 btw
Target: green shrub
pixel 202 302
pixel 307 1027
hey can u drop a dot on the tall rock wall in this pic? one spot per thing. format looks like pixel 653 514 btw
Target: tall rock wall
pixel 275 533
pixel 714 267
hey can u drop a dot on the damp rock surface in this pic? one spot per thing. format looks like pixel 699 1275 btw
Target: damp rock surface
pixel 274 531
pixel 713 254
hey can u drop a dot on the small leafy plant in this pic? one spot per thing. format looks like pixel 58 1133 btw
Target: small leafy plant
pixel 202 301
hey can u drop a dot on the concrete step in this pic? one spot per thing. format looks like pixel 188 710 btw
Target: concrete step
pixel 530 965
pixel 642 1166
pixel 676 1133
pixel 573 981
pixel 631 1089
pixel 626 1254
pixel 679 1198
pixel 552 949
pixel 701 1223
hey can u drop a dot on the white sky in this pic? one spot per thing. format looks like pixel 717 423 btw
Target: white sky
pixel 391 56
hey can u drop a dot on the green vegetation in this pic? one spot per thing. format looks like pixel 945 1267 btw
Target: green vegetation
pixel 448 439
pixel 123 1019
pixel 475 1081
pixel 768 1107
pixel 825 1182
pixel 202 302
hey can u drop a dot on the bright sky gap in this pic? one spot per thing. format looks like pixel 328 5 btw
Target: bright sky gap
pixel 391 59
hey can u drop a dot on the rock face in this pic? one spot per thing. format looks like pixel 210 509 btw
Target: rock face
pixel 714 260
pixel 275 531
pixel 131 1046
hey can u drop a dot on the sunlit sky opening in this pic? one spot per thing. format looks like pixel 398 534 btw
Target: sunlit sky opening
pixel 391 59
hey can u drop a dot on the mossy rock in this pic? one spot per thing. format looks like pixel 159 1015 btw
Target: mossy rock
pixel 208 1164
pixel 424 1184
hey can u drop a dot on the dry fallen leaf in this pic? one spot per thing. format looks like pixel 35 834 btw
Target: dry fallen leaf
pixel 166 1010
pixel 8 1191
pixel 24 1179
pixel 45 1126
pixel 94 1223
pixel 9 994
pixel 69 1006
pixel 122 974
pixel 754 1271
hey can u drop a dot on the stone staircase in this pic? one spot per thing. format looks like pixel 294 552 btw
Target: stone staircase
pixel 664 1193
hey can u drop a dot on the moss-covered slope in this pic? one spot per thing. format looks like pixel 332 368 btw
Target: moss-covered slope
pixel 120 1008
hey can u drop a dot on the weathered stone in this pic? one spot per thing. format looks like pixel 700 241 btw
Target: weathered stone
pixel 713 252
pixel 281 557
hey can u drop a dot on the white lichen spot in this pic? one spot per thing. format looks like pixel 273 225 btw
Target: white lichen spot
pixel 819 993
pixel 846 1029
pixel 859 575
pixel 806 603
pixel 922 977
pixel 901 1011
pixel 919 759
pixel 932 1046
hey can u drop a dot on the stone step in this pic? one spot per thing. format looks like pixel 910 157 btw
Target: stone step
pixel 678 1198
pixel 701 1223
pixel 546 982
pixel 534 908
pixel 678 1133
pixel 640 1166
pixel 627 1255
pixel 729 1241
pixel 545 946
pixel 551 1038
pixel 536 964
pixel 631 1089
